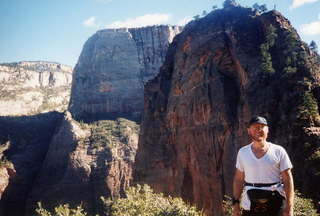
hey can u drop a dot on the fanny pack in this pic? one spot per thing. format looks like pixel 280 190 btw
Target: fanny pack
pixel 265 201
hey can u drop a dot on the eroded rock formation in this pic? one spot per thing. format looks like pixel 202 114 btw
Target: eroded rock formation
pixel 85 162
pixel 28 88
pixel 221 70
pixel 113 67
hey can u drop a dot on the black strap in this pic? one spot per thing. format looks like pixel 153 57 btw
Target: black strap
pixel 260 184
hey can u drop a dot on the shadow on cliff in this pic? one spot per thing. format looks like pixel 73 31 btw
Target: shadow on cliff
pixel 29 138
pixel 90 118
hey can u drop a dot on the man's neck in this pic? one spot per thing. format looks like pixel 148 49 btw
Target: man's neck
pixel 260 144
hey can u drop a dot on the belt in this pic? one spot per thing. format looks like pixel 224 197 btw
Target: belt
pixel 260 184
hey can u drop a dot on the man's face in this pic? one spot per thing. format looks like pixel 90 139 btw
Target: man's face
pixel 258 132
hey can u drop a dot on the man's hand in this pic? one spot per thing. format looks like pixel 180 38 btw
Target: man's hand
pixel 238 183
pixel 236 210
pixel 289 190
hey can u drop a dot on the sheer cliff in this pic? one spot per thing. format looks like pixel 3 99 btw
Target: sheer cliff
pixel 33 87
pixel 113 67
pixel 221 70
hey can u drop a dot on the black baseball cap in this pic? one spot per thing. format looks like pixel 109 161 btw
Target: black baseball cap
pixel 259 120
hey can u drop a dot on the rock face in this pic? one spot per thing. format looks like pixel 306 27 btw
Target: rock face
pixel 113 67
pixel 21 161
pixel 34 87
pixel 85 162
pixel 221 70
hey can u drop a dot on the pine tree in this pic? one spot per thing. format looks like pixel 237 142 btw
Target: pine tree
pixel 313 46
pixel 229 3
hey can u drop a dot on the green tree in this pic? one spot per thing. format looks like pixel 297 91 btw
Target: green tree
pixel 196 17
pixel 266 60
pixel 309 107
pixel 313 46
pixel 261 8
pixel 229 3
pixel 214 7
pixel 204 13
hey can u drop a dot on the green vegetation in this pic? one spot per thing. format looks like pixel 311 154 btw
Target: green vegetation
pixel 139 201
pixel 61 210
pixel 304 206
pixel 261 8
pixel 309 107
pixel 229 3
pixel 109 133
pixel 142 201
pixel 266 59
pixel 4 162
pixel 313 46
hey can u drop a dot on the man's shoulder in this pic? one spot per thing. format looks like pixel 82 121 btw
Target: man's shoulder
pixel 276 146
pixel 245 148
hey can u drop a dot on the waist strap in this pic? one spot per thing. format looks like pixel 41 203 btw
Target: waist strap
pixel 260 184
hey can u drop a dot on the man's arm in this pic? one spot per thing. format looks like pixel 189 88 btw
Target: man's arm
pixel 238 183
pixel 289 190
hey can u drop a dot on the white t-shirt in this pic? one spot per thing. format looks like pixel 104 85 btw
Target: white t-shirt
pixel 266 169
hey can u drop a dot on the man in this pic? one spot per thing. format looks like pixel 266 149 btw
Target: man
pixel 262 168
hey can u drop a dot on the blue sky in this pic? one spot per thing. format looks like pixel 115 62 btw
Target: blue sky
pixel 55 30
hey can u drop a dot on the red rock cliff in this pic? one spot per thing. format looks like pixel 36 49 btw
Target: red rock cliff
pixel 221 70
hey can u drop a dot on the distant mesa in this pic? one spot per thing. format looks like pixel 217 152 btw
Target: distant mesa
pixel 32 87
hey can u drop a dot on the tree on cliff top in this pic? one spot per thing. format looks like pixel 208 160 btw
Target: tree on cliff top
pixel 230 3
pixel 313 46
pixel 261 8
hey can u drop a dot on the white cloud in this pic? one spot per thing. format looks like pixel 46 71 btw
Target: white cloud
pixel 184 21
pixel 298 3
pixel 90 22
pixel 145 20
pixel 312 28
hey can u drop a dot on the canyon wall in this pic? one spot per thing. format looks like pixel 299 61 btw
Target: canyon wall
pixel 114 66
pixel 220 71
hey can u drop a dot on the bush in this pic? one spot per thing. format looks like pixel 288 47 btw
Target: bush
pixel 266 60
pixel 142 201
pixel 304 206
pixel 61 210
pixel 309 107
pixel 139 201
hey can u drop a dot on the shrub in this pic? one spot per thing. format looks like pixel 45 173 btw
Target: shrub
pixel 61 210
pixel 266 60
pixel 139 201
pixel 309 107
pixel 142 201
pixel 304 206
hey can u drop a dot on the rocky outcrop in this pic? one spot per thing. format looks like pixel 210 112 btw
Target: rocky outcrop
pixel 34 87
pixel 221 70
pixel 85 162
pixel 21 161
pixel 113 67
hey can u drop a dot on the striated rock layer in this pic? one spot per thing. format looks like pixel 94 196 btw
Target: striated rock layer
pixel 113 67
pixel 34 87
pixel 85 162
pixel 221 70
